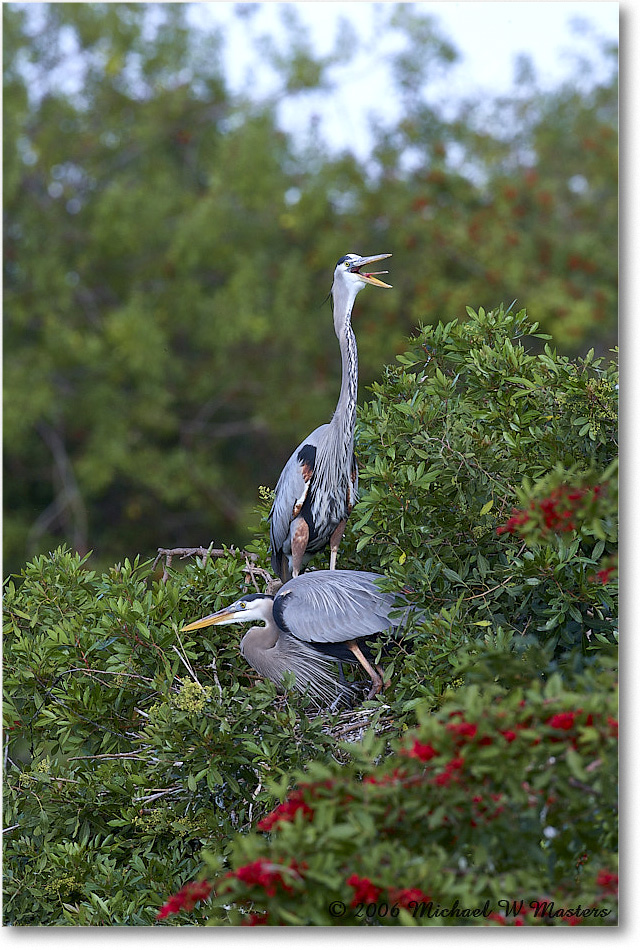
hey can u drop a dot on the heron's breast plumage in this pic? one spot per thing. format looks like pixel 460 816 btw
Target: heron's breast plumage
pixel 334 484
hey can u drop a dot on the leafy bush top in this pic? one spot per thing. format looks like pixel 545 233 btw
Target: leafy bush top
pixel 489 483
pixel 496 800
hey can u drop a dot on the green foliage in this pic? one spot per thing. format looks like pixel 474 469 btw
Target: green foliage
pixel 167 249
pixel 499 799
pixel 489 480
pixel 469 425
pixel 129 746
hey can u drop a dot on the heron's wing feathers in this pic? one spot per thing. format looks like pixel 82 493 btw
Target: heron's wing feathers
pixel 292 488
pixel 334 606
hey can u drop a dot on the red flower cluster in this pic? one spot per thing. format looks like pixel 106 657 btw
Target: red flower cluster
pixel 390 778
pixel 422 751
pixel 603 575
pixel 266 874
pixel 449 774
pixel 518 916
pixel 516 921
pixel 286 811
pixel 364 890
pixel 563 720
pixel 406 895
pixel 484 811
pixel 185 899
pixel 557 512
pixel 256 920
pixel 467 730
pixel 566 721
pixel 607 881
pixel 294 802
pixel 560 507
pixel 517 520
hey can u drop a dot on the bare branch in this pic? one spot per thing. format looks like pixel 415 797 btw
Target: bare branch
pixel 215 677
pixel 109 755
pixel 144 799
pixel 252 569
pixel 183 658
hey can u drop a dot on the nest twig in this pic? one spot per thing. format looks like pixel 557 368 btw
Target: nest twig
pixel 252 570
pixel 352 724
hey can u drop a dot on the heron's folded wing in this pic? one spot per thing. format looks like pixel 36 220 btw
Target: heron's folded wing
pixel 334 606
pixel 292 487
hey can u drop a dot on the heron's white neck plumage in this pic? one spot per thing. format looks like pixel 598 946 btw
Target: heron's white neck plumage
pixel 343 298
pixel 334 455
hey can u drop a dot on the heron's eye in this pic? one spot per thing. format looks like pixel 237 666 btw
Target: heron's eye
pixel 242 605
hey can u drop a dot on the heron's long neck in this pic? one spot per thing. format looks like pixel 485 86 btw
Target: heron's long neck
pixel 345 413
pixel 255 644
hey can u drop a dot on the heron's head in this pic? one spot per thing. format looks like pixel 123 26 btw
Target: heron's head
pixel 348 274
pixel 252 607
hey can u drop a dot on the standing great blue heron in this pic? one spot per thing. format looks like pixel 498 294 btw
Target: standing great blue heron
pixel 318 485
pixel 314 622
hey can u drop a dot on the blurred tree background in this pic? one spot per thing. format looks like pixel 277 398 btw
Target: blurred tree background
pixel 168 248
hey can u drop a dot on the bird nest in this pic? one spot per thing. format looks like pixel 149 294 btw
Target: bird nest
pixel 352 724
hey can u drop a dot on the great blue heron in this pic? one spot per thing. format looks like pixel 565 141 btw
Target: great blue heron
pixel 318 485
pixel 315 621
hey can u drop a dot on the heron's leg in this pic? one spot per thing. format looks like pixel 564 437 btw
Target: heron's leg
pixel 285 574
pixel 377 680
pixel 380 671
pixel 300 534
pixel 335 541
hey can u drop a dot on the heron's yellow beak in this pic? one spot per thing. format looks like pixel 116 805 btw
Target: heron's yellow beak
pixel 371 278
pixel 221 616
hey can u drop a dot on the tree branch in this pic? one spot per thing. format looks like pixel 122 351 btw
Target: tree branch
pixel 252 569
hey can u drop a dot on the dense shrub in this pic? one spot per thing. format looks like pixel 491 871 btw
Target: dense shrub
pixel 129 745
pixel 499 801
pixel 146 769
pixel 468 429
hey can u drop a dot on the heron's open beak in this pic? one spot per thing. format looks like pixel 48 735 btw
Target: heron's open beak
pixel 370 278
pixel 221 616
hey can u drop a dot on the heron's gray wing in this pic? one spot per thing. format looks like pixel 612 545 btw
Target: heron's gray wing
pixel 333 606
pixel 292 487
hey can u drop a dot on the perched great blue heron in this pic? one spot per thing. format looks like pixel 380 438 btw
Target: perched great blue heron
pixel 315 621
pixel 318 485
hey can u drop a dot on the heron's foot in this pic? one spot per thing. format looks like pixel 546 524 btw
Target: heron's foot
pixel 375 676
pixel 377 686
pixel 380 671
